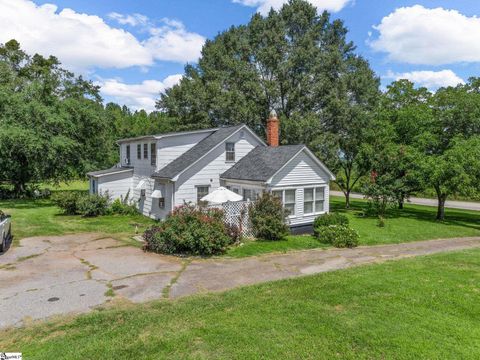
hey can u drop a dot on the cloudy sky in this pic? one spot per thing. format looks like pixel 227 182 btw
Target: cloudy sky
pixel 137 49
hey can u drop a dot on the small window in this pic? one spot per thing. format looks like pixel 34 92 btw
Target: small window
pixel 289 201
pixel 142 193
pixel 145 151
pixel 201 192
pixel 94 186
pixel 288 198
pixel 230 151
pixel 153 154
pixel 127 155
pixel 308 199
pixel 139 151
pixel 319 199
pixel 161 203
pixel 247 195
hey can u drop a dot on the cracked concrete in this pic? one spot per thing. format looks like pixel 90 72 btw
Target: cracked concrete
pixel 56 275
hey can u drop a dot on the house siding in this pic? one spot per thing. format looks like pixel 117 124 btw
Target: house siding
pixel 207 170
pixel 117 185
pixel 300 173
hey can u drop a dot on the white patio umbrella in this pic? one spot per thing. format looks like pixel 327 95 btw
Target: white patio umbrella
pixel 221 195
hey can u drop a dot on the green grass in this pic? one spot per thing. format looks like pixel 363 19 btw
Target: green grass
pixel 259 247
pixel 414 223
pixel 42 217
pixel 422 308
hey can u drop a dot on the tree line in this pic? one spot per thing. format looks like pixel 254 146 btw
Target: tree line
pixel 390 144
pixel 53 124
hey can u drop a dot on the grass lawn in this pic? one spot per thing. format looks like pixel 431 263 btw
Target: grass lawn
pixel 413 223
pixel 426 307
pixel 42 217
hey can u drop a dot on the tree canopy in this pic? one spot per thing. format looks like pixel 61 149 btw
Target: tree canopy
pixel 296 62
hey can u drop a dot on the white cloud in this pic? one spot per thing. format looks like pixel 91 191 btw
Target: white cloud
pixel 83 42
pixel 172 42
pixel 264 6
pixel 429 79
pixel 137 96
pixel 132 20
pixel 418 35
pixel 80 41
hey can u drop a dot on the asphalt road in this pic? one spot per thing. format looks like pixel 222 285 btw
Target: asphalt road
pixel 453 204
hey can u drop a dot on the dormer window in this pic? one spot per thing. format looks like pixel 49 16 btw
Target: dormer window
pixel 230 151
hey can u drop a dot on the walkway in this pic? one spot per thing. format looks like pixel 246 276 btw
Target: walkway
pixel 57 275
pixel 453 204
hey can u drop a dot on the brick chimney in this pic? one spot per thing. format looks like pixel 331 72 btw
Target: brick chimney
pixel 273 129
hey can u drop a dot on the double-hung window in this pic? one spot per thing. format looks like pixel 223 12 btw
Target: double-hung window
pixel 145 151
pixel 230 151
pixel 139 151
pixel 313 200
pixel 201 192
pixel 153 154
pixel 288 198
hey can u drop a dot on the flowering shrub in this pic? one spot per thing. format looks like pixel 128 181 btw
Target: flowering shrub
pixel 189 230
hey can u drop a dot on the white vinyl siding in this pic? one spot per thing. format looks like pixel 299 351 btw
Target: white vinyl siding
pixel 117 185
pixel 310 183
pixel 208 170
pixel 149 206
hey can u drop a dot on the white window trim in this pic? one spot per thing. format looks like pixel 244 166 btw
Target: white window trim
pixel 227 152
pixel 314 199
pixel 283 189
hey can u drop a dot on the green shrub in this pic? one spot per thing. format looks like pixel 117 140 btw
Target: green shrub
pixel 268 218
pixel 189 230
pixel 329 219
pixel 67 201
pixel 340 236
pixel 121 208
pixel 93 205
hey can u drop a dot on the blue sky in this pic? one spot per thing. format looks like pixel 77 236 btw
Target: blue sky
pixel 136 49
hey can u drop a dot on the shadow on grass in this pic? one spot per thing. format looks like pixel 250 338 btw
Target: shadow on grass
pixel 463 218
pixel 25 203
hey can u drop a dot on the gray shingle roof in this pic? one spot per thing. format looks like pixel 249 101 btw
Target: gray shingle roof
pixel 113 170
pixel 178 165
pixel 261 163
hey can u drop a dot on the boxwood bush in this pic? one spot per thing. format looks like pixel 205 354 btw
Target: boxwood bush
pixel 268 218
pixel 340 236
pixel 189 230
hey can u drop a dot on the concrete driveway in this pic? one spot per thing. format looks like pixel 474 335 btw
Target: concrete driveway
pixel 56 275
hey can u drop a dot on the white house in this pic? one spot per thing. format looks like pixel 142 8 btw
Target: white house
pixel 164 171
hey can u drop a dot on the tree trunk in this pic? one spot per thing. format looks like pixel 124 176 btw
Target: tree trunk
pixel 400 204
pixel 19 188
pixel 347 199
pixel 441 207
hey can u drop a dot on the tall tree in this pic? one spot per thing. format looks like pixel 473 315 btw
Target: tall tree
pixel 296 62
pixel 451 163
pixel 51 124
